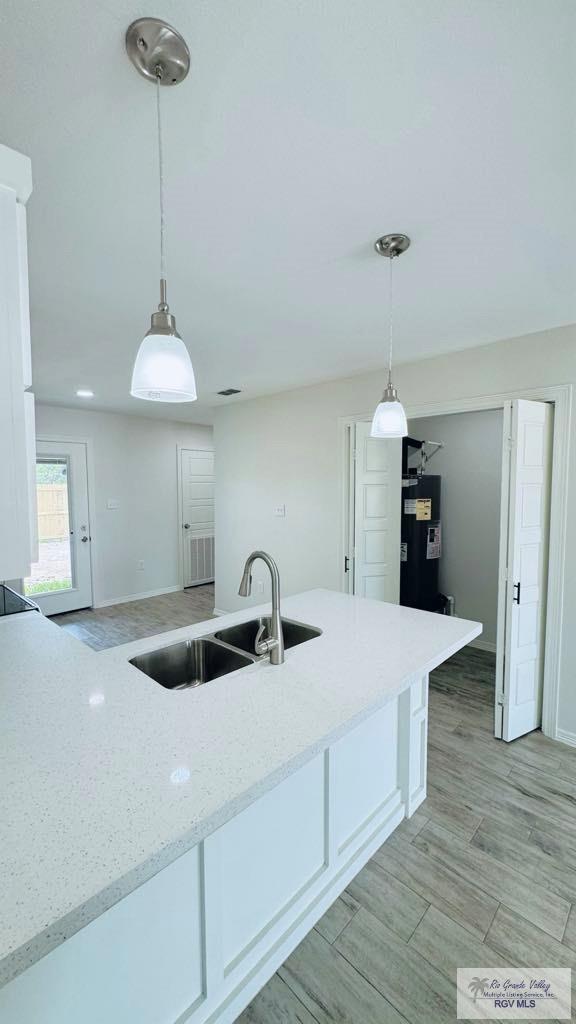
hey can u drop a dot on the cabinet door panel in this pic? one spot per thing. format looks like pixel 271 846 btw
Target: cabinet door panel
pixel 140 961
pixel 269 854
pixel 365 772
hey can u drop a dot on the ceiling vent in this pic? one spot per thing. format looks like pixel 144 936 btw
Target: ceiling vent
pixel 229 391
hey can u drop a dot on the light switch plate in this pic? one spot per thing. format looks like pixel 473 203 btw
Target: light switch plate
pixel 280 511
pixel 113 504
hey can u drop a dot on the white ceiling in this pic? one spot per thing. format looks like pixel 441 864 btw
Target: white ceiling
pixel 305 129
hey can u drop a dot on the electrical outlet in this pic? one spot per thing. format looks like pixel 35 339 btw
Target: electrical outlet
pixel 140 565
pixel 280 511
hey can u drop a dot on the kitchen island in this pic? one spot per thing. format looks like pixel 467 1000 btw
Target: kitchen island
pixel 165 850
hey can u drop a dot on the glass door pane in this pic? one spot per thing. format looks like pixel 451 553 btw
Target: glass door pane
pixel 53 571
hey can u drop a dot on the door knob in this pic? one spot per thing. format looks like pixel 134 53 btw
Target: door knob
pixel 84 540
pixel 186 526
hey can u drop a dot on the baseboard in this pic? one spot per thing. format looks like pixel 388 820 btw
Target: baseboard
pixel 483 645
pixel 566 737
pixel 135 597
pixel 219 611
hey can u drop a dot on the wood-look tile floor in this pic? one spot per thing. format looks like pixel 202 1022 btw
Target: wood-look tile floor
pixel 484 874
pixel 120 623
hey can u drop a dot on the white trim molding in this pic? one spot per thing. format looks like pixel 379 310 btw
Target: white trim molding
pixel 561 396
pixel 136 597
pixel 483 645
pixel 563 736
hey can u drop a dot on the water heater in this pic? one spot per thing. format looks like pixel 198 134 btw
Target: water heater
pixel 421 542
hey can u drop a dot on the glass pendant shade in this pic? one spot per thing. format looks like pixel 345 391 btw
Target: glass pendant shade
pixel 163 368
pixel 389 418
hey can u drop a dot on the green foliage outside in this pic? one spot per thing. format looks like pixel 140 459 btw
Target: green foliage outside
pixel 45 586
pixel 51 472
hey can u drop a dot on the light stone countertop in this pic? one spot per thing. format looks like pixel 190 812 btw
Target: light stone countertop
pixel 106 777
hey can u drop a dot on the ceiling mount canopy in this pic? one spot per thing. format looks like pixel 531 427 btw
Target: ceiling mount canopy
pixel 392 245
pixel 154 46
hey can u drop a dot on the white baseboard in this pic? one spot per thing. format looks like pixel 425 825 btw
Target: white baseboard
pixel 219 611
pixel 566 737
pixel 135 597
pixel 483 645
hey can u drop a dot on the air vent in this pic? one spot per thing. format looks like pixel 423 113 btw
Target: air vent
pixel 230 391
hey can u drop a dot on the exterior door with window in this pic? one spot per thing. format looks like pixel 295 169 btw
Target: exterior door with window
pixel 61 579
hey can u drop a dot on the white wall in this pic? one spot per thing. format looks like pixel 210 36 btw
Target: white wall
pixel 285 449
pixel 133 460
pixel 470 465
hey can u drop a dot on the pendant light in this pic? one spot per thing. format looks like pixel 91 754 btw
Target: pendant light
pixel 390 418
pixel 163 370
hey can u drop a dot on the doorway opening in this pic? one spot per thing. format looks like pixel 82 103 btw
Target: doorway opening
pixel 470 520
pixel 61 579
pixel 196 516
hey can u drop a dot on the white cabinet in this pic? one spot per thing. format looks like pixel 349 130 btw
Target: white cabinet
pixel 17 443
pixel 195 943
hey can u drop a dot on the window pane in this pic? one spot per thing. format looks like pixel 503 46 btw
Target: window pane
pixel 53 570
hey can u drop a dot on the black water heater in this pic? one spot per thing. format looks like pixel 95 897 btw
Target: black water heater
pixel 421 541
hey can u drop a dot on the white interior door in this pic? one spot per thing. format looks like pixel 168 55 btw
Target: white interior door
pixel 197 515
pixel 527 464
pixel 61 579
pixel 377 495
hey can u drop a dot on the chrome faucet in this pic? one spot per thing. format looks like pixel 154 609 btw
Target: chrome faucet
pixel 274 644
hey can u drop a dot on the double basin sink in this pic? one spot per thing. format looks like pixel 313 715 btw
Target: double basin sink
pixel 194 662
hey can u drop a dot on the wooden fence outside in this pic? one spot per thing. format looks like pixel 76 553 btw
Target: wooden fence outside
pixel 53 522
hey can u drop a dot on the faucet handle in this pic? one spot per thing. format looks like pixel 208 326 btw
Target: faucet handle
pixel 264 646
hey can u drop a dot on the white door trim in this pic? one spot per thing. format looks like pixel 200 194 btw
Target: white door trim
pixel 179 448
pixel 561 395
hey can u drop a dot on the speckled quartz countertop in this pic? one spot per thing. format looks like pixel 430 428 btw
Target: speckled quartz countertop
pixel 106 777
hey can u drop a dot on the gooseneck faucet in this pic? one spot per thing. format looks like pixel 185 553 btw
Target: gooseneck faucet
pixel 274 644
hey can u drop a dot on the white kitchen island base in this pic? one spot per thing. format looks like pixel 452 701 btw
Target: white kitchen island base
pixel 197 941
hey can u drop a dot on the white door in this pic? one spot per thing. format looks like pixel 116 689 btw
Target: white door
pixel 377 495
pixel 197 515
pixel 61 579
pixel 527 463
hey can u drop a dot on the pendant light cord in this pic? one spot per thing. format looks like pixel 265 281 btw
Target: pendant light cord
pixel 161 182
pixel 390 322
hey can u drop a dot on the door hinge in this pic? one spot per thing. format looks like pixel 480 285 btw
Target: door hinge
pixel 346 563
pixel 511 443
pixel 354 454
pixel 500 700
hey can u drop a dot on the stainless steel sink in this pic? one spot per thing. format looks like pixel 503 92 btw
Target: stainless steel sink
pixel 191 663
pixel 243 636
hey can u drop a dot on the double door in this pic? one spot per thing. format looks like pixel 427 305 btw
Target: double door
pixel 376 492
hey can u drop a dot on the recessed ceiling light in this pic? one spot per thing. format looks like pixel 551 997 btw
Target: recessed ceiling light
pixel 84 393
